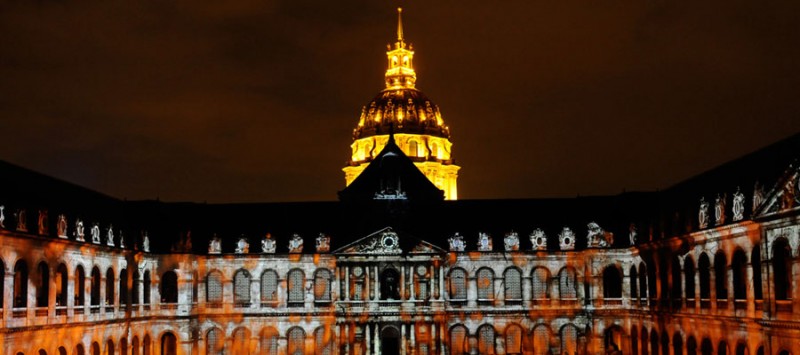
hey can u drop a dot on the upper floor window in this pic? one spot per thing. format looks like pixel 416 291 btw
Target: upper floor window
pixel 296 281
pixel 458 284
pixel 322 285
pixel 512 280
pixel 269 286
pixel 485 281
pixel 567 283
pixel 241 288
pixel 214 287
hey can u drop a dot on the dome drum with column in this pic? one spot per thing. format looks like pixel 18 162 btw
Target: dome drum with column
pixel 416 122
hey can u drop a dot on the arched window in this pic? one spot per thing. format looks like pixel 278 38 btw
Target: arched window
pixel 634 288
pixel 459 344
pixel 110 281
pixel 79 350
pixel 322 285
pixel 42 285
pixel 782 269
pixel 80 288
pixel 169 344
pixel 741 349
pixel 63 351
pixel 643 283
pixel 269 341
pixel 241 288
pixel 95 348
pixel 612 282
pixel 755 262
pixel 739 271
pixel 123 346
pixel 135 287
pixel 485 283
pixel 651 281
pixel 704 268
pixel 567 284
pixel 654 342
pixel 146 288
pixel 512 282
pixel 688 274
pixel 486 339
pixel 458 284
pixel 677 344
pixel 513 339
pixel 721 276
pixel 169 287
pixel 269 286
pixel 195 287
pixel 612 339
pixel 664 343
pixel 215 342
pixel 691 346
pixel 241 341
pixel 43 352
pixel 296 339
pixel 21 284
pixel 760 350
pixel 541 340
pixel 110 347
pixel 569 340
pixel 124 292
pixel 214 287
pixel 634 341
pixel 135 346
pixel 94 295
pixel 541 278
pixel 323 341
pixel 296 279
pixel 706 348
pixel 644 338
pixel 722 348
pixel 677 288
pixel 146 345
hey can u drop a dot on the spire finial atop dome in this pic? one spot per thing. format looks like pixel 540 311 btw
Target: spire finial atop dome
pixel 400 24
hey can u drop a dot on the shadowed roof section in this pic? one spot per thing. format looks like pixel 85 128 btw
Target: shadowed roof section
pixel 391 173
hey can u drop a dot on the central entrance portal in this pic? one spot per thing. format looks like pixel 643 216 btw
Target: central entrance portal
pixel 390 341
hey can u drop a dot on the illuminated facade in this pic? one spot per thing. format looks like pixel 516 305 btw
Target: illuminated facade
pixel 415 121
pixel 708 266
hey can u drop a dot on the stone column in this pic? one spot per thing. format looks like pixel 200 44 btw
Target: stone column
pixel 8 294
pixel 102 292
pixel 472 291
pixel 377 338
pixel 712 287
pixel 347 283
pixel 367 284
pixel 377 285
pixel 403 347
pixel 51 295
pixel 413 339
pixel 434 295
pixel 403 279
pixel 70 304
pixel 696 290
pixel 750 290
pixel 367 339
pixel 527 286
pixel 412 277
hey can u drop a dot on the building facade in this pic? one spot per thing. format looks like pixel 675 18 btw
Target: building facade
pixel 708 266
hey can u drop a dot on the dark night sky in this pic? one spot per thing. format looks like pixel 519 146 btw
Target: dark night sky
pixel 227 101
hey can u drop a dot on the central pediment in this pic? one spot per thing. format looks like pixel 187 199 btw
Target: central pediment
pixel 388 242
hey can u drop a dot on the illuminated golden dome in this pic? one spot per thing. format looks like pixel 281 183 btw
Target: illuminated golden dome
pixel 416 122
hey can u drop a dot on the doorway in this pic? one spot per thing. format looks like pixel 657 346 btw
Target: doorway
pixel 390 341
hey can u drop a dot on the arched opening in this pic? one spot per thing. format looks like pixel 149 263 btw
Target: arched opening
pixel 644 338
pixel 42 285
pixel 512 284
pixel 390 341
pixel 654 342
pixel 269 287
pixel 169 287
pixel 722 348
pixel 458 340
pixel 269 341
pixel 80 289
pixel 21 284
pixel 704 268
pixel 412 149
pixel 612 340
pixel 240 344
pixel 123 346
pixel 458 284
pixel 677 289
pixel 688 274
pixel 135 346
pixel 721 276
pixel 322 285
pixel 296 281
pixel 146 345
pixel 706 348
pixel 541 340
pixel 741 349
pixel 755 263
pixel 612 282
pixel 110 281
pixel 214 287
pixel 486 339
pixel 296 339
pixel 782 269
pixel 541 280
pixel 739 273
pixel 567 283
pixel 390 279
pixel 79 350
pixel 169 344
pixel 146 289
pixel 94 294
pixel 95 348
pixel 135 287
pixel 760 350
pixel 61 285
pixel 784 352
pixel 241 288
pixel 643 284
pixel 634 340
pixel 513 339
pixel 62 350
pixel 651 282
pixel 677 344
pixel 43 352
pixel 124 293
pixel 664 343
pixel 110 347
pixel 691 346
pixel 324 341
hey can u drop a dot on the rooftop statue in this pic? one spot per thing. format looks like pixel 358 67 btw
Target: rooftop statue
pixel 268 244
pixel 215 245
pixel 323 243
pixel 538 239
pixel 242 246
pixel 702 214
pixel 597 237
pixel 79 230
pixel 296 244
pixel 456 242
pixel 2 217
pixel 95 232
pixel 484 242
pixel 61 226
pixel 146 243
pixel 511 241
pixel 43 228
pixel 22 223
pixel 738 205
pixel 110 235
pixel 566 239
pixel 719 209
